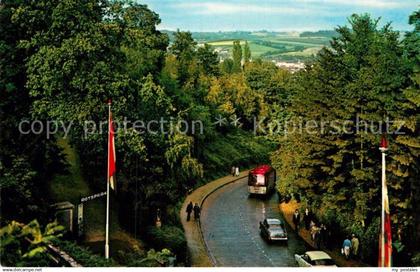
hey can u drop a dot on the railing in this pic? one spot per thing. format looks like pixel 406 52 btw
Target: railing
pixel 61 257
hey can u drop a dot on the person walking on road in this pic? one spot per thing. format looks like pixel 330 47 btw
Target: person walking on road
pixel 197 211
pixel 296 219
pixel 323 236
pixel 317 239
pixel 315 233
pixel 233 171
pixel 354 245
pixel 237 171
pixel 189 210
pixel 307 218
pixel 346 248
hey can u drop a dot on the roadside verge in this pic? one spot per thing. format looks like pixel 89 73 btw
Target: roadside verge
pixel 287 209
pixel 198 254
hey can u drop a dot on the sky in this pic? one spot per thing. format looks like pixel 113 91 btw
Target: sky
pixel 275 15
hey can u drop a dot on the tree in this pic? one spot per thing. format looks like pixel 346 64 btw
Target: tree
pixel 227 66
pixel 237 56
pixel 208 60
pixel 404 162
pixel 26 245
pixel 26 162
pixel 358 83
pixel 144 46
pixel 269 80
pixel 247 53
pixel 183 48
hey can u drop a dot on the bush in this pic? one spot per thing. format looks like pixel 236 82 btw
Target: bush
pixel 82 255
pixel 163 258
pixel 172 214
pixel 169 237
pixel 369 240
pixel 26 245
pixel 416 260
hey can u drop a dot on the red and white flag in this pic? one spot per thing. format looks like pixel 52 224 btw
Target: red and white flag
pixel 385 237
pixel 111 152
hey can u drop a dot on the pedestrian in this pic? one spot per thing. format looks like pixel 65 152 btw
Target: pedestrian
pixel 346 248
pixel 189 210
pixel 158 222
pixel 197 211
pixel 323 236
pixel 354 245
pixel 314 230
pixel 317 238
pixel 296 219
pixel 307 218
pixel 237 171
pixel 232 171
pixel 327 237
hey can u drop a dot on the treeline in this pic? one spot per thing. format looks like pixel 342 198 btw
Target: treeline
pixel 365 85
pixel 319 33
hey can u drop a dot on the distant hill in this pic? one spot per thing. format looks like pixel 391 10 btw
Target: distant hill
pixel 275 46
pixel 319 33
pixel 202 37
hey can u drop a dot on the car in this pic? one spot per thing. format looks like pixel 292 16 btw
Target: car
pixel 273 229
pixel 314 258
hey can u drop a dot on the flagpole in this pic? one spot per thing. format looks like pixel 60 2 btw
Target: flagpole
pixel 383 148
pixel 383 211
pixel 107 191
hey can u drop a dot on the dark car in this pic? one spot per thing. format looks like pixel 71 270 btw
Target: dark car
pixel 273 230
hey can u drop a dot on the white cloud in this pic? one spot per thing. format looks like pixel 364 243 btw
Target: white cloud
pixel 366 3
pixel 294 7
pixel 219 8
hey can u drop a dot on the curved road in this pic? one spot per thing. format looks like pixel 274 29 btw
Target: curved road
pixel 230 225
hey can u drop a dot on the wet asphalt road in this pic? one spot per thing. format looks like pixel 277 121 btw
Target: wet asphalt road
pixel 230 224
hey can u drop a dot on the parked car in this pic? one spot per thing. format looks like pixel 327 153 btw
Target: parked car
pixel 273 230
pixel 314 258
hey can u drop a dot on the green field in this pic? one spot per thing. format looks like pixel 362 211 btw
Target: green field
pixel 269 45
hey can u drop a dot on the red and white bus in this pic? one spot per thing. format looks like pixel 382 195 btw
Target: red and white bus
pixel 262 180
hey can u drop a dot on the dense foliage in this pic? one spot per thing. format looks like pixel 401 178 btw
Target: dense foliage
pixel 62 60
pixel 82 255
pixel 365 78
pixel 168 237
pixel 26 245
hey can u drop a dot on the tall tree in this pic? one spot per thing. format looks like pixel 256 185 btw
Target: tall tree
pixel 247 52
pixel 183 48
pixel 404 162
pixel 208 60
pixel 227 66
pixel 144 46
pixel 237 56
pixel 26 162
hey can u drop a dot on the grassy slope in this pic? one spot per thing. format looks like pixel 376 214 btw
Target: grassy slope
pixel 242 149
pixel 71 188
pixel 256 49
pixel 311 44
pixel 305 53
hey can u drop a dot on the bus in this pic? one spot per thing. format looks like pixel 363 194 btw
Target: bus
pixel 262 180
